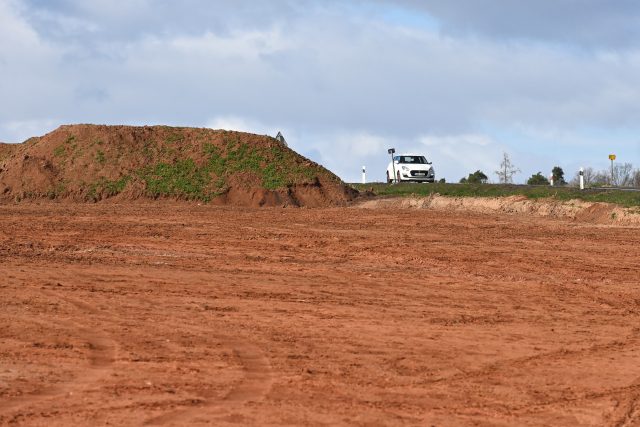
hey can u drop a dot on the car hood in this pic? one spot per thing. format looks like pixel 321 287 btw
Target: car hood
pixel 416 167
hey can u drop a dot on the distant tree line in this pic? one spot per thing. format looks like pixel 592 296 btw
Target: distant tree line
pixel 623 175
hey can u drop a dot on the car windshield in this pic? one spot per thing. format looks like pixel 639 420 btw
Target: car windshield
pixel 416 160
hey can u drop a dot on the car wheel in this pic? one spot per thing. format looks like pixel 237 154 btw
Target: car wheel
pixel 389 180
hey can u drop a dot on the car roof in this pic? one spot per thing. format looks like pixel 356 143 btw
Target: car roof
pixel 410 155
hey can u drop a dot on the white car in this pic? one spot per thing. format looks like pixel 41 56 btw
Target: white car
pixel 410 167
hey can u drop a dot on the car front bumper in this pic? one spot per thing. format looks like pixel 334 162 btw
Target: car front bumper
pixel 417 178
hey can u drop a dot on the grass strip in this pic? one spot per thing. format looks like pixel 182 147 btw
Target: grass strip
pixel 616 196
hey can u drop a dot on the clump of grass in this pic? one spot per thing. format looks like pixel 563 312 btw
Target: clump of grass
pixel 272 179
pixel 148 148
pixel 174 138
pixel 59 151
pixel 100 158
pixel 241 157
pixel 116 187
pixel 68 148
pixel 106 188
pixel 183 179
pixel 57 191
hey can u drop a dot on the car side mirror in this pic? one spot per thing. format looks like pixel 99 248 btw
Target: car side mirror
pixel 396 162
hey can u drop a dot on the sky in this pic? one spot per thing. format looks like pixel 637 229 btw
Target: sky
pixel 549 82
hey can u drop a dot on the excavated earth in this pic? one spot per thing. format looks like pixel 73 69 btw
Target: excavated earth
pixel 578 210
pixel 165 313
pixel 91 163
pixel 6 150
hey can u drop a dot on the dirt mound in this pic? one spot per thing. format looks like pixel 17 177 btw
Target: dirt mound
pixel 93 163
pixel 600 213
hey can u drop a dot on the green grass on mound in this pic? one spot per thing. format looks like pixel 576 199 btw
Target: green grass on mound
pixel 619 197
pixel 275 167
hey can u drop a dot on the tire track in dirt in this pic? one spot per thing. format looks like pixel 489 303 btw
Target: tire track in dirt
pixel 614 345
pixel 495 367
pixel 104 349
pixel 625 414
pixel 627 410
pixel 18 402
pixel 101 356
pixel 257 368
pixel 617 415
pixel 254 386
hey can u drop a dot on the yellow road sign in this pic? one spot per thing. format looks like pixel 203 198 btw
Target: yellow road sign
pixel 612 157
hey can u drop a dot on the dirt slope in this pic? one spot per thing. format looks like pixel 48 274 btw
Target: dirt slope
pixel 600 213
pixel 92 163
pixel 6 150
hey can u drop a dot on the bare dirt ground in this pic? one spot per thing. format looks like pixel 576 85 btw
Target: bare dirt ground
pixel 178 314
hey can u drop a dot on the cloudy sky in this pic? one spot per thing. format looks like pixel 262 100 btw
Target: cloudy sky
pixel 551 82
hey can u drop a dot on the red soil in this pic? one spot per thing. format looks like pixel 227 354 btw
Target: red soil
pixel 6 150
pixel 200 315
pixel 85 163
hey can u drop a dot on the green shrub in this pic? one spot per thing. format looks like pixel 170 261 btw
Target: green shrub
pixel 538 179
pixel 478 177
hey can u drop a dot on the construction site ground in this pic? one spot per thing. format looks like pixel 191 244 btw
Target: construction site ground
pixel 186 314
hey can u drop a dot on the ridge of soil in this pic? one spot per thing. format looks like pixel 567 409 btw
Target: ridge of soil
pixel 593 212
pixel 90 163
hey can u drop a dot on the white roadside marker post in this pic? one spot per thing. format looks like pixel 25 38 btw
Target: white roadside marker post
pixel 391 152
pixel 551 179
pixel 364 174
pixel 582 178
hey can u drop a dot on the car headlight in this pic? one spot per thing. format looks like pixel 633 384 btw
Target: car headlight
pixel 404 168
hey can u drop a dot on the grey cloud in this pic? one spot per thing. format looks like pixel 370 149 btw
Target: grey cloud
pixel 362 78
pixel 308 66
pixel 583 23
pixel 331 72
pixel 105 20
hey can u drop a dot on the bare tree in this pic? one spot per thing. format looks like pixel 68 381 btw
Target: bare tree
pixel 636 178
pixel 506 171
pixel 589 177
pixel 622 174
pixel 602 178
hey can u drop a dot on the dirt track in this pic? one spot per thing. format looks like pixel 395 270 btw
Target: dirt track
pixel 185 314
